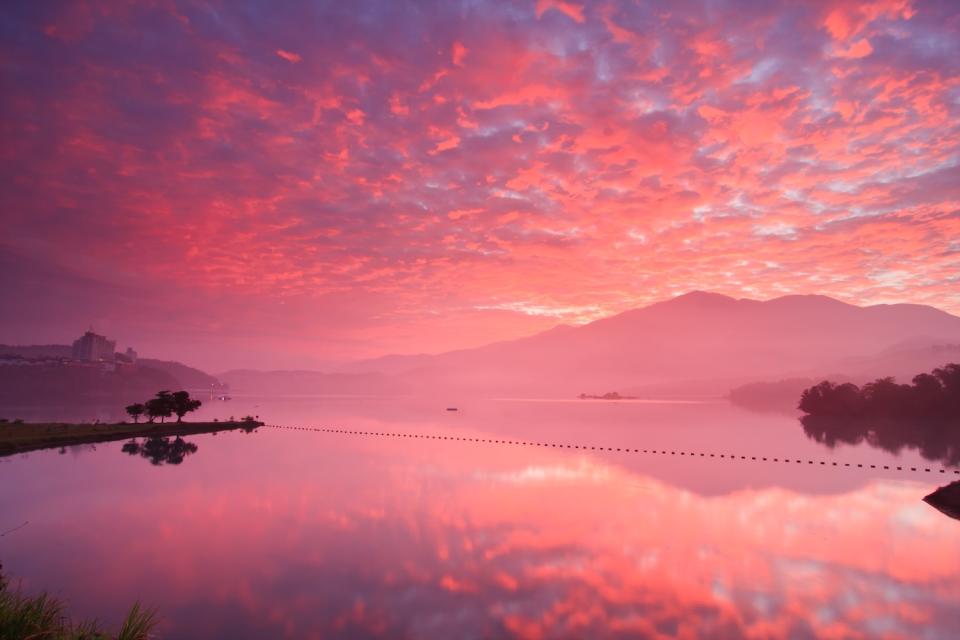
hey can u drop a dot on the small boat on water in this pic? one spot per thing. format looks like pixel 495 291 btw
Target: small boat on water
pixel 224 398
pixel 452 409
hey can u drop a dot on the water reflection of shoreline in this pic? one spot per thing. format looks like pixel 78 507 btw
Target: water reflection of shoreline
pixel 494 543
pixel 937 440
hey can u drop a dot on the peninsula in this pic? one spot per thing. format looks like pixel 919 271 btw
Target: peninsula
pixel 23 437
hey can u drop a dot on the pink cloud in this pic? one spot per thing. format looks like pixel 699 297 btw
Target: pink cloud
pixel 749 163
pixel 459 53
pixel 288 56
pixel 571 9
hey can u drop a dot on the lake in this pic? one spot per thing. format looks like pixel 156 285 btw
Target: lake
pixel 470 533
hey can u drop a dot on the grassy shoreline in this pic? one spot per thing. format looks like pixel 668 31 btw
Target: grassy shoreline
pixel 43 616
pixel 21 438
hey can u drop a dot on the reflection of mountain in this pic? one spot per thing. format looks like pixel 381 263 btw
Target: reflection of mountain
pixel 161 450
pixel 698 336
pixel 936 440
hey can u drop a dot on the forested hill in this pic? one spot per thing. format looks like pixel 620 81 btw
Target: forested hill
pixel 186 377
pixel 53 384
pixel 37 350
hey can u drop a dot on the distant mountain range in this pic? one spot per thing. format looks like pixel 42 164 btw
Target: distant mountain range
pixel 696 344
pixel 901 362
pixel 312 382
pixel 702 341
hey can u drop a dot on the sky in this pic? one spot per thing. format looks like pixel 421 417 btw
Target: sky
pixel 294 184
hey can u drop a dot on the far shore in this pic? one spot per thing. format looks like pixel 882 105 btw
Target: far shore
pixel 23 437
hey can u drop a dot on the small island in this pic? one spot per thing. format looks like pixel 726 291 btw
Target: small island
pixel 19 437
pixel 610 395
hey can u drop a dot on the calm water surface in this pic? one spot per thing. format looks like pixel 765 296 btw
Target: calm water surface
pixel 287 533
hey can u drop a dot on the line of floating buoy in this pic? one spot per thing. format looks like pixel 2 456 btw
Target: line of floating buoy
pixel 726 456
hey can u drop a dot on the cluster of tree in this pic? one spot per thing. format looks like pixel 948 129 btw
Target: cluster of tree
pixel 164 405
pixel 935 394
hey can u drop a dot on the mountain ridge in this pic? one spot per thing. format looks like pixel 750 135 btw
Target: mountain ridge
pixel 698 335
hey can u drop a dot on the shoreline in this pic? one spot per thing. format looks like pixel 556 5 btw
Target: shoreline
pixel 25 437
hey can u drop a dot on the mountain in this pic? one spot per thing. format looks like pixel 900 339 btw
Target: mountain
pixel 51 384
pixel 693 345
pixel 187 377
pixel 706 337
pixel 292 383
pixel 903 362
pixel 175 374
pixel 37 350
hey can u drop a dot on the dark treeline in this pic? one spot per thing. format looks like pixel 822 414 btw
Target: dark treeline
pixel 932 395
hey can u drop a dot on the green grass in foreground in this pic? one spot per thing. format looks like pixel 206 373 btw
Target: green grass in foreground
pixel 42 617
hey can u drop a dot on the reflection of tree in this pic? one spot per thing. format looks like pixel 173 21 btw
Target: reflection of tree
pixel 936 439
pixel 161 450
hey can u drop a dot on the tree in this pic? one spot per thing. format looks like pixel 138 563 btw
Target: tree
pixel 829 399
pixel 183 404
pixel 926 395
pixel 949 377
pixel 136 410
pixel 160 407
pixel 884 397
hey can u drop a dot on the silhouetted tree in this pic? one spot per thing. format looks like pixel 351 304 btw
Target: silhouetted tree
pixel 949 377
pixel 160 407
pixel 829 399
pixel 136 410
pixel 884 397
pixel 184 404
pixel 927 394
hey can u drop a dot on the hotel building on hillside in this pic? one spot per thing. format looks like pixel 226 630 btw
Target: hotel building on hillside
pixel 92 347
